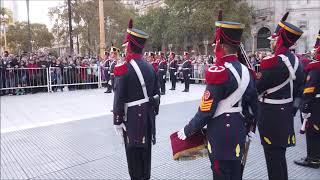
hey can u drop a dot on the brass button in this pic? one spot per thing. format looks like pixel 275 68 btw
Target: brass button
pixel 227 125
pixel 228 115
pixel 139 115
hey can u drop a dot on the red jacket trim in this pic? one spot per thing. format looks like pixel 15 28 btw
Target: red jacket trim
pixel 230 58
pixel 130 56
pixel 120 69
pixel 269 62
pixel 216 75
pixel 313 65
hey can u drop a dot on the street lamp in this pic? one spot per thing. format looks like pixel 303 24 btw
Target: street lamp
pixel 19 47
pixel 4 20
pixel 254 34
pixel 108 27
pixel 32 44
pixel 206 42
pixel 170 47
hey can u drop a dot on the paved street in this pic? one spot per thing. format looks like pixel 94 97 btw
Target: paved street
pixel 43 109
pixel 89 149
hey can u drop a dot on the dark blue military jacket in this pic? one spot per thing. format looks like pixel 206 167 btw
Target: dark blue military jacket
pixel 311 97
pixel 186 68
pixel 173 67
pixel 275 121
pixel 162 69
pixel 107 69
pixel 226 133
pixel 112 65
pixel 140 119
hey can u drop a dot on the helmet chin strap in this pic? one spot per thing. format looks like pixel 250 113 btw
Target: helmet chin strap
pixel 280 48
pixel 219 51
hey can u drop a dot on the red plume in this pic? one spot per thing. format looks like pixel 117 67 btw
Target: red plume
pixel 220 15
pixel 130 24
pixel 285 16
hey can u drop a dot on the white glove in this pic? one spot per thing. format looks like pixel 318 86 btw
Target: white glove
pixel 305 115
pixel 119 129
pixel 251 135
pixel 182 135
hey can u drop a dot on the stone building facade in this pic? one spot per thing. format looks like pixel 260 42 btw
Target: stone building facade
pixel 267 13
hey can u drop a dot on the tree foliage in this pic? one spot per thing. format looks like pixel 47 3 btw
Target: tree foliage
pixel 17 36
pixel 8 12
pixel 186 23
pixel 86 23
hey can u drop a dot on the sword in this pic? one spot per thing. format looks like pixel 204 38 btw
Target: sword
pixel 245 57
pixel 246 151
pixel 303 127
pixel 305 120
pixel 251 127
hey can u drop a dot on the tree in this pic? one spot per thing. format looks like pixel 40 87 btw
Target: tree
pixel 155 24
pixel 186 23
pixel 17 36
pixel 8 12
pixel 86 24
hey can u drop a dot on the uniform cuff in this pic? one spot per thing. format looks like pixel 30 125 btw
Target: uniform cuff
pixel 117 119
pixel 187 130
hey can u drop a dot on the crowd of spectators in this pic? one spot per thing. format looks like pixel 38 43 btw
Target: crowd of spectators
pixel 30 73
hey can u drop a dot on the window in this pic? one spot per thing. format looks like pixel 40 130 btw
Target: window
pixel 262 38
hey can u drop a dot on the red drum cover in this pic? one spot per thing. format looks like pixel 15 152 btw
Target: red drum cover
pixel 190 148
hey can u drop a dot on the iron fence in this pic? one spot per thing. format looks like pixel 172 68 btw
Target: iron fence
pixel 72 77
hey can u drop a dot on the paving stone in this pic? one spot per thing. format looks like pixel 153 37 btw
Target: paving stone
pixel 89 149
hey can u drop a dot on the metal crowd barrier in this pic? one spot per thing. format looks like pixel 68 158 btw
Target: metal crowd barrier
pixel 197 72
pixel 22 78
pixel 105 75
pixel 72 77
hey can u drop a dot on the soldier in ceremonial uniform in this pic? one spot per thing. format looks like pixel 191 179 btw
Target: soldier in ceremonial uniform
pixel 109 66
pixel 310 111
pixel 280 89
pixel 115 57
pixel 162 72
pixel 153 61
pixel 106 66
pixel 230 91
pixel 136 104
pixel 146 56
pixel 186 71
pixel 173 70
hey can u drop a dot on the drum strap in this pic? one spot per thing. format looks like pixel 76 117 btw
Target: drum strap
pixel 226 105
pixel 143 86
pixel 292 76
